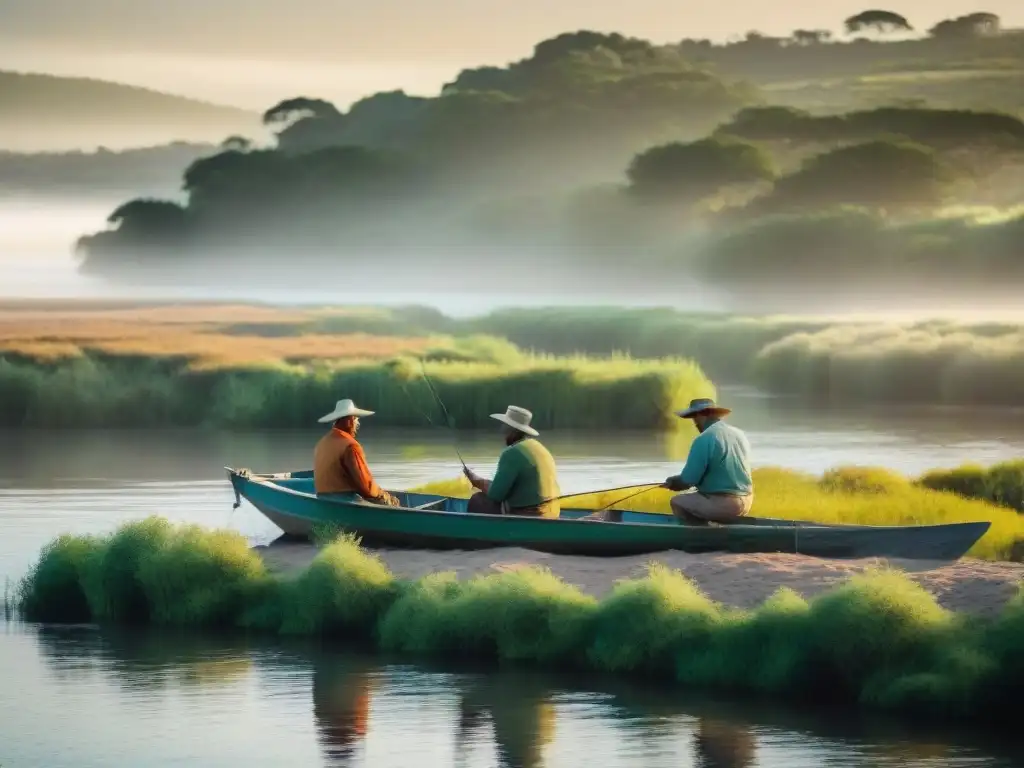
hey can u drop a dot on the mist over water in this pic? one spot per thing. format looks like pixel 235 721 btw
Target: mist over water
pixel 37 261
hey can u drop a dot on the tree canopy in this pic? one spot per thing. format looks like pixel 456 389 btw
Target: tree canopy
pixel 881 21
pixel 594 142
pixel 924 125
pixel 889 175
pixel 694 171
pixel 966 27
pixel 621 93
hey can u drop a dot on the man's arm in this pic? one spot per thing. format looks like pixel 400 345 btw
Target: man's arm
pixel 354 462
pixel 694 470
pixel 696 463
pixel 504 476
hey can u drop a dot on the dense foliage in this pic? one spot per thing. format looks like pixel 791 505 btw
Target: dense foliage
pixel 878 641
pixel 603 155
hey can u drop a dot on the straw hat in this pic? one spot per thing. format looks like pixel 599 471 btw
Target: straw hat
pixel 701 406
pixel 344 408
pixel 517 418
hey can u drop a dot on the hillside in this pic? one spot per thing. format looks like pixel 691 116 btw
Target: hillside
pixel 810 70
pixel 45 113
pixel 141 171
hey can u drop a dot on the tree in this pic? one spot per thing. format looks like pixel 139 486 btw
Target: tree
pixel 481 79
pixel 695 171
pixel 290 110
pixel 148 216
pixel 811 36
pixel 966 27
pixel 895 175
pixel 137 227
pixel 883 22
pixel 237 143
pixel 562 45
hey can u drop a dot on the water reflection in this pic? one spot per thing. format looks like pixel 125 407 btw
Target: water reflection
pixel 145 661
pixel 721 744
pixel 521 712
pixel 233 700
pixel 342 689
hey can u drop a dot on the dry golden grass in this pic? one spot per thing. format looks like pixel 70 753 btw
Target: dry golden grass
pixel 196 332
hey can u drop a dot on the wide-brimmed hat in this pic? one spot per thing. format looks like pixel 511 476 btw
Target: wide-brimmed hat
pixel 517 418
pixel 344 408
pixel 700 406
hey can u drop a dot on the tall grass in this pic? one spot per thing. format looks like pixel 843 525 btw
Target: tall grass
pixel 574 392
pixel 925 363
pixel 1001 484
pixel 938 362
pixel 851 495
pixel 878 641
pixel 934 362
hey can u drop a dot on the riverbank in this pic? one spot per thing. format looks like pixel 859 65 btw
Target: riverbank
pixel 746 581
pixel 936 362
pixel 876 640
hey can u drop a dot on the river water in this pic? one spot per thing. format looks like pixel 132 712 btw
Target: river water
pixel 89 699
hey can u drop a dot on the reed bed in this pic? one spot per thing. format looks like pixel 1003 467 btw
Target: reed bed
pixel 119 391
pixel 877 641
pixel 206 336
pixel 931 362
pixel 1001 484
pixel 852 495
pixel 928 363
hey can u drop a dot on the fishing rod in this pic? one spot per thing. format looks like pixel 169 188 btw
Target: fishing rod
pixel 447 416
pixel 626 498
pixel 646 486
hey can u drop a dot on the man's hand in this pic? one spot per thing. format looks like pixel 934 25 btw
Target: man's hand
pixel 474 479
pixel 674 483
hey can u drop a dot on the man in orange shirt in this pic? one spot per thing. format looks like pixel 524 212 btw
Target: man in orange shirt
pixel 339 464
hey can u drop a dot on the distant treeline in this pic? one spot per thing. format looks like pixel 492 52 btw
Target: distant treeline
pixel 937 362
pixel 595 147
pixel 155 169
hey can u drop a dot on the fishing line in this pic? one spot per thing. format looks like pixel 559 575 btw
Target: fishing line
pixel 447 416
pixel 645 486
pixel 625 498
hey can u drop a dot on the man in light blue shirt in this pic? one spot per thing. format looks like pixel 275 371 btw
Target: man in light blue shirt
pixel 717 469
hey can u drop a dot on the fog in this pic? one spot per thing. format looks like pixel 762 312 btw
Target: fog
pixel 37 262
pixel 253 83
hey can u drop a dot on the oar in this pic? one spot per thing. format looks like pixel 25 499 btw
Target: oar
pixel 447 416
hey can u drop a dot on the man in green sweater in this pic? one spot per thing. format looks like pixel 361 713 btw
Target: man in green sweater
pixel 525 482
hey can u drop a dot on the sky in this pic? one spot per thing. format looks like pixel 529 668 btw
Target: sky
pixel 250 52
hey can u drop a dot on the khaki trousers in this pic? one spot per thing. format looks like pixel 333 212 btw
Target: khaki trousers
pixel 699 509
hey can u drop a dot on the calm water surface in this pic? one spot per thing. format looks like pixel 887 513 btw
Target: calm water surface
pixel 75 697
pixel 90 700
pixel 91 481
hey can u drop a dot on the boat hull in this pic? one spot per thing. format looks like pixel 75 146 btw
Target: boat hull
pixel 288 502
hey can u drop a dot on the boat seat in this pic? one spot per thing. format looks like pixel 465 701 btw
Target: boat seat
pixel 430 504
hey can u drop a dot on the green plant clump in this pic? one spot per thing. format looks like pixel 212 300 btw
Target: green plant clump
pixel 877 641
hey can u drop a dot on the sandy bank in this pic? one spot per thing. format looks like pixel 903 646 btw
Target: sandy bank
pixel 969 585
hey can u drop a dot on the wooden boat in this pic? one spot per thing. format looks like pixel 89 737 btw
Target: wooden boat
pixel 427 521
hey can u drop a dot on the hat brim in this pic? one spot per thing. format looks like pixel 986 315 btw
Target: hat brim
pixel 334 416
pixel 509 423
pixel 689 413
